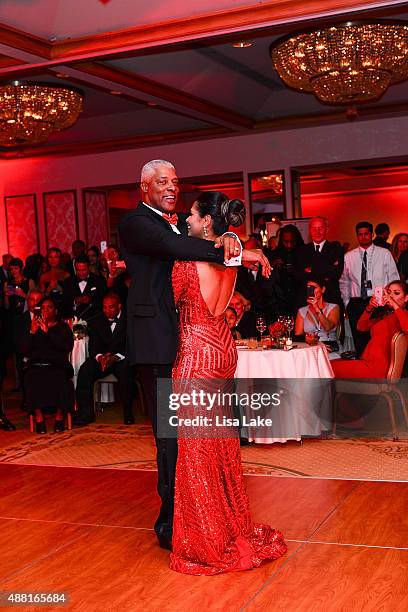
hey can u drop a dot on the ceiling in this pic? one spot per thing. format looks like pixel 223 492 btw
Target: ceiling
pixel 166 71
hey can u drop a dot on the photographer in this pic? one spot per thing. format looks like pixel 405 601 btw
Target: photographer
pixel 382 321
pixel 47 380
pixel 319 320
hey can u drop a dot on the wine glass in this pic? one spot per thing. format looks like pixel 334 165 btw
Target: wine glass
pixel 290 324
pixel 261 325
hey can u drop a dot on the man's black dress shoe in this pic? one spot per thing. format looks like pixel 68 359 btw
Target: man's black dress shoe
pixel 164 537
pixel 40 427
pixel 6 425
pixel 129 421
pixel 59 425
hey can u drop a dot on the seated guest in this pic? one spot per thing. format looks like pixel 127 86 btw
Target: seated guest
pixel 231 318
pixel 107 342
pixel 319 317
pixel 382 322
pixel 51 281
pixel 48 375
pixel 246 321
pixel 382 233
pixel 83 292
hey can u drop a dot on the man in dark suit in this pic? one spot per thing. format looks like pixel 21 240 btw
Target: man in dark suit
pixel 319 258
pixel 83 293
pixel 78 249
pixel 150 243
pixel 107 349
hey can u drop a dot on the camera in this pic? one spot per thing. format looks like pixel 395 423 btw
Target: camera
pixel 37 312
pixel 310 291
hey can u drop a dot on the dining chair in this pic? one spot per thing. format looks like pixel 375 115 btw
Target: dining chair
pixel 387 389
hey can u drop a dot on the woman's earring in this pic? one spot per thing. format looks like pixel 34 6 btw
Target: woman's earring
pixel 205 230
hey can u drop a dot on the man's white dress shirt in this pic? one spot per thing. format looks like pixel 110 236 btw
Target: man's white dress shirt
pixel 381 270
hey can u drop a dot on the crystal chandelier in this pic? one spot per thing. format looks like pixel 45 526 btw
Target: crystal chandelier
pixel 346 63
pixel 31 112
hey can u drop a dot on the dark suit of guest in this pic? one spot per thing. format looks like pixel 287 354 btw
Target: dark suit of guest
pixel 150 247
pixel 264 294
pixel 327 264
pixel 105 336
pixel 95 288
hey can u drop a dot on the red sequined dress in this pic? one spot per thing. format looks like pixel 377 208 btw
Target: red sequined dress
pixel 212 532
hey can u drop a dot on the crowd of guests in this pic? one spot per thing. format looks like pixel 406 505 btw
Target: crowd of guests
pixel 320 284
pixel 40 302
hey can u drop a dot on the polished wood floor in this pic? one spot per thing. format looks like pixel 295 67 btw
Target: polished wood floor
pixel 88 532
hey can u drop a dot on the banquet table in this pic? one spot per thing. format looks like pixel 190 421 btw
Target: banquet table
pixel 304 375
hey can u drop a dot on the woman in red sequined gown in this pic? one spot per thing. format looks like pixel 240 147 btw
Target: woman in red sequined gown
pixel 376 358
pixel 213 532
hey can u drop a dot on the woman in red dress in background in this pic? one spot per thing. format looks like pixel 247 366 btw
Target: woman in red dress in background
pixel 213 532
pixel 376 358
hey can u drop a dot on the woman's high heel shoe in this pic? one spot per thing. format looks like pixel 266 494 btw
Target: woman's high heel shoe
pixel 59 425
pixel 40 427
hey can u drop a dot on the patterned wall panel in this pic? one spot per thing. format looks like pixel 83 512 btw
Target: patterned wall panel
pixel 22 225
pixel 61 219
pixel 96 217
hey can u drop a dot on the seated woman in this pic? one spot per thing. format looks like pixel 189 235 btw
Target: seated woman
pixel 231 318
pixel 382 323
pixel 47 380
pixel 319 317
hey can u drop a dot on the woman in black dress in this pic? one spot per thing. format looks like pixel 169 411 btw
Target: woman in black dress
pixel 48 377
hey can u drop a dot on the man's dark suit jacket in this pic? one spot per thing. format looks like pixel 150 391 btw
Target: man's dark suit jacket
pixel 150 248
pixel 328 264
pixel 101 338
pixel 95 287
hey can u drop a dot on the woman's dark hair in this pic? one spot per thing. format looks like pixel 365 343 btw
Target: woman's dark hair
pixel 53 302
pixel 16 261
pixel 223 212
pixel 294 231
pixel 234 312
pixel 95 249
pixel 319 280
pixel 54 250
pixel 402 284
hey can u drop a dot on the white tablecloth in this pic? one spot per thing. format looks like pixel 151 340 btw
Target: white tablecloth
pixel 309 410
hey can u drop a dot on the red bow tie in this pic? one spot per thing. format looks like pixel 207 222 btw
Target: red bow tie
pixel 171 218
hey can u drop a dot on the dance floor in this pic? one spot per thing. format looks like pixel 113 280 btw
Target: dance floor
pixel 88 533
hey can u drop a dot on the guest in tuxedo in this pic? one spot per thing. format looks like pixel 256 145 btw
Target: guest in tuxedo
pixel 107 348
pixel 319 258
pixel 382 233
pixel 365 268
pixel 78 249
pixel 83 292
pixel 152 237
